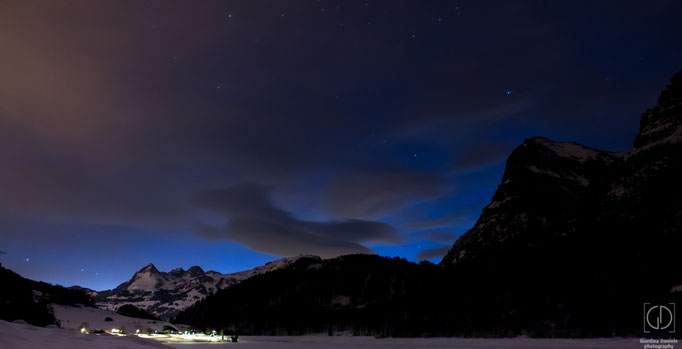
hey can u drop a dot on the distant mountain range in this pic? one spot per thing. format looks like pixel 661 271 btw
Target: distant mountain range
pixel 165 294
pixel 573 243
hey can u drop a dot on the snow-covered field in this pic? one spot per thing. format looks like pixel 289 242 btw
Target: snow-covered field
pixel 23 336
pixel 94 319
pixel 319 342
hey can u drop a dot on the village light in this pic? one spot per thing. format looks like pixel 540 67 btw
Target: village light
pixel 82 329
pixel 137 331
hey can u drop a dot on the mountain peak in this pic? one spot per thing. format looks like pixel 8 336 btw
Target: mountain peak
pixel 149 268
pixel 672 95
pixel 195 271
pixel 544 181
pixel 663 123
pixel 569 150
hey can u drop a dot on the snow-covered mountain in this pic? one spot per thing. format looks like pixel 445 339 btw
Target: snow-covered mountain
pixel 553 193
pixel 165 294
pixel 544 191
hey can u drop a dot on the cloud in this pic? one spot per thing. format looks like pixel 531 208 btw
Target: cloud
pixel 45 184
pixel 450 219
pixel 375 193
pixel 255 222
pixel 452 125
pixel 439 236
pixel 481 156
pixel 437 252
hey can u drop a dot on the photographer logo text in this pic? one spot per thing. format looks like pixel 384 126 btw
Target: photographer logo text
pixel 659 318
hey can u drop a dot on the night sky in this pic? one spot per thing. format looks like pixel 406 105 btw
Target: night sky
pixel 228 134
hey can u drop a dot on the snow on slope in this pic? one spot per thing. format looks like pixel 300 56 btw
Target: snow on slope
pixel 576 151
pixel 149 279
pixel 73 318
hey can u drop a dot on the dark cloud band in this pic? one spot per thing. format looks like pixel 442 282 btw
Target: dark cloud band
pixel 254 221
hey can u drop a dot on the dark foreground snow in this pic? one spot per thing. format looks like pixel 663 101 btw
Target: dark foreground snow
pixel 22 336
pixel 317 342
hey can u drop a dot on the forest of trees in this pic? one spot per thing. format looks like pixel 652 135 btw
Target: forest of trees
pixel 378 296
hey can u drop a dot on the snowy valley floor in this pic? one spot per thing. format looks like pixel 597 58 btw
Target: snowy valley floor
pixel 23 336
pixel 315 342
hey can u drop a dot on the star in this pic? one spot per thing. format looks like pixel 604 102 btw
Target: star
pixel 27 259
pixel 82 270
pixel 508 92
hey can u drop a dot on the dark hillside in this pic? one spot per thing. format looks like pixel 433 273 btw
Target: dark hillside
pixel 27 300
